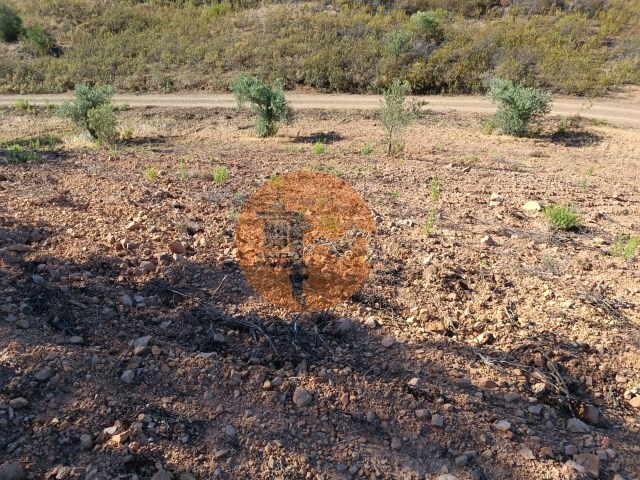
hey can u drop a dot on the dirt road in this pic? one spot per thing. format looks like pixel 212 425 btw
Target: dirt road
pixel 619 112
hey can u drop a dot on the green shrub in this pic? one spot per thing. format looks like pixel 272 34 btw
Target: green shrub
pixel 430 23
pixel 220 173
pixel 23 104
pixel 563 217
pixel 92 110
pixel 625 246
pixel 172 47
pixel 396 114
pixel 16 155
pixel 518 106
pixel 10 23
pixel 101 123
pixel 398 42
pixel 268 103
pixel 38 41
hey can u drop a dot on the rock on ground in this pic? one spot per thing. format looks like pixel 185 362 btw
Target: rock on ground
pixel 12 471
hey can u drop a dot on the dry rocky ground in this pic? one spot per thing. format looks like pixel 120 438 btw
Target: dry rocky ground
pixel 495 348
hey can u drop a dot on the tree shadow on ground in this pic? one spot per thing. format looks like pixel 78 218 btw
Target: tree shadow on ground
pixel 322 137
pixel 576 138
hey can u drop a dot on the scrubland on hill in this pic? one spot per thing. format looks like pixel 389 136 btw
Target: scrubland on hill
pixel 584 47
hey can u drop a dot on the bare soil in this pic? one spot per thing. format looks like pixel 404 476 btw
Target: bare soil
pixel 461 355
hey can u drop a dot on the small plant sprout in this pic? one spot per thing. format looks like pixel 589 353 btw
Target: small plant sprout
pixel 151 174
pixel 563 126
pixel 329 222
pixel 319 148
pixel 625 246
pixel 366 149
pixel 430 222
pixel 563 217
pixel 127 134
pixel 435 189
pixel 584 184
pixel 394 195
pixel 183 173
pixel 220 173
pixel 23 104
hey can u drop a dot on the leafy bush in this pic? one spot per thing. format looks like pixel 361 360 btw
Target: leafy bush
pixel 396 114
pixel 398 42
pixel 38 41
pixel 101 123
pixel 10 23
pixel 518 106
pixel 563 217
pixel 268 103
pixel 92 110
pixel 430 23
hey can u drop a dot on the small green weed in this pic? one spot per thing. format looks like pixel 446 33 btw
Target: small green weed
pixel 127 134
pixel 220 173
pixel 563 217
pixel 150 173
pixel 319 148
pixel 488 126
pixel 625 246
pixel 435 189
pixel 430 222
pixel 276 182
pixel 395 195
pixel 329 222
pixel 327 169
pixel 563 126
pixel 366 149
pixel 183 173
pixel 16 156
pixel 22 104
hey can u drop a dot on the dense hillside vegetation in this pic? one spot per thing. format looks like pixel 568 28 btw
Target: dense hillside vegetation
pixel 579 47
